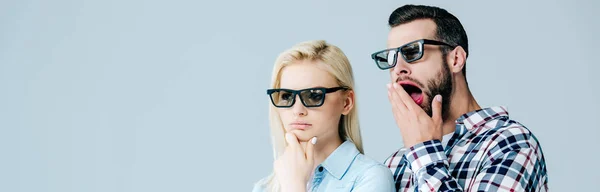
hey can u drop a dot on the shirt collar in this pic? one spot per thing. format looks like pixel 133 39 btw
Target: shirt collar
pixel 477 118
pixel 339 161
pixel 472 120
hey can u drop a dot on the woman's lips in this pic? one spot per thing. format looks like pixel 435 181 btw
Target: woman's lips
pixel 300 126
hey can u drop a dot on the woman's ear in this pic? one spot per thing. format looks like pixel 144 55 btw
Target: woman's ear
pixel 456 59
pixel 348 102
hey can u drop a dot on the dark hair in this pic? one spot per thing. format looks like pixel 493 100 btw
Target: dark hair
pixel 449 29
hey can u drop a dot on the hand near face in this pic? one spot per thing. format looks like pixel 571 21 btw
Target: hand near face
pixel 294 166
pixel 415 125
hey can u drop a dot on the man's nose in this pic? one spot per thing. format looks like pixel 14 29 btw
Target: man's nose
pixel 401 68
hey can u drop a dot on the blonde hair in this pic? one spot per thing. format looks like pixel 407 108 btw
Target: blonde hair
pixel 335 62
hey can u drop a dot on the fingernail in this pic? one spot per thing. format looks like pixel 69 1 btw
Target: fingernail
pixel 395 85
pixel 314 140
pixel 389 85
pixel 288 135
pixel 438 98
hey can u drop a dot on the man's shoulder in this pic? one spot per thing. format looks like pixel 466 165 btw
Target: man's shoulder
pixel 504 128
pixel 502 135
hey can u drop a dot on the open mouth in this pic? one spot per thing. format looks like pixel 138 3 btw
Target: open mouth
pixel 414 91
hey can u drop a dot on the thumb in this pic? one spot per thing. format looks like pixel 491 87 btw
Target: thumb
pixel 310 150
pixel 436 110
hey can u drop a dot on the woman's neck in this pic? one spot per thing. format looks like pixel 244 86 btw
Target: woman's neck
pixel 324 148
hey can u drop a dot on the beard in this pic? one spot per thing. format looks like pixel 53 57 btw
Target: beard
pixel 439 85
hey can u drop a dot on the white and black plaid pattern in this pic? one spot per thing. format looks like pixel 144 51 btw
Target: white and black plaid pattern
pixel 488 152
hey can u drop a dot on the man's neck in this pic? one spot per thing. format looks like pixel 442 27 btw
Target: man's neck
pixel 462 101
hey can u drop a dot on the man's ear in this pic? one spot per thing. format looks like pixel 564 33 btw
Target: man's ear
pixel 348 102
pixel 456 59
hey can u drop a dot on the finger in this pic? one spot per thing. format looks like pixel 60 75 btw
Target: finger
pixel 405 98
pixel 436 110
pixel 310 150
pixel 399 111
pixel 395 111
pixel 397 114
pixel 292 141
pixel 396 101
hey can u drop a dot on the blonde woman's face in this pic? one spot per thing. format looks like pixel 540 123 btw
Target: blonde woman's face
pixel 307 122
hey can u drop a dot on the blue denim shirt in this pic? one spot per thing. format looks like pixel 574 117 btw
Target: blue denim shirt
pixel 346 169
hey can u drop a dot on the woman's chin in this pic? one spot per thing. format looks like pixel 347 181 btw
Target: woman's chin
pixel 303 136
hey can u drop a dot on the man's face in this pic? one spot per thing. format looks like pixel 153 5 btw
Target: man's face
pixel 424 78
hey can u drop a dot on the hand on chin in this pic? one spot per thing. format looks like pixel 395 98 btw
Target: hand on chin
pixel 303 135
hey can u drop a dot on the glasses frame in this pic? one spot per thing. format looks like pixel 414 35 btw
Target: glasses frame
pixel 421 42
pixel 297 92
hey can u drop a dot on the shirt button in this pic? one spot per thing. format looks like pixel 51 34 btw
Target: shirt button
pixel 320 169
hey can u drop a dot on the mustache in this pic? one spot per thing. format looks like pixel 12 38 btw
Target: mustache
pixel 407 78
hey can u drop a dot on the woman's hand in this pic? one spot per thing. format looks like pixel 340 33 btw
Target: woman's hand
pixel 294 166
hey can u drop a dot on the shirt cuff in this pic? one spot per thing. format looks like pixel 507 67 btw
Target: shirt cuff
pixel 425 153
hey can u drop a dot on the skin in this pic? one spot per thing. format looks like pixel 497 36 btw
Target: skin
pixel 301 156
pixel 416 126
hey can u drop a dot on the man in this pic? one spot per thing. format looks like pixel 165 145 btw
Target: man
pixel 450 142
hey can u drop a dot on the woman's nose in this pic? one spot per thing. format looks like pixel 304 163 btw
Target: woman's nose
pixel 298 108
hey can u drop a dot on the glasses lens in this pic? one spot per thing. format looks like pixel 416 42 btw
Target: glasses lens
pixel 412 52
pixel 386 59
pixel 282 98
pixel 313 97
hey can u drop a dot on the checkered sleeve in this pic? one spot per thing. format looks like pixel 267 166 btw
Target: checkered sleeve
pixel 430 167
pixel 514 163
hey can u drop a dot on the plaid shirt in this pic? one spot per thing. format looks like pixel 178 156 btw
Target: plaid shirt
pixel 488 152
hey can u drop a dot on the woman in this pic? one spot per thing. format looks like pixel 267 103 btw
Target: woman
pixel 314 125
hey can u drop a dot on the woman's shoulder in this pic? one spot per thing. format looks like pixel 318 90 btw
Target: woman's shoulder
pixel 369 167
pixel 366 161
pixel 372 174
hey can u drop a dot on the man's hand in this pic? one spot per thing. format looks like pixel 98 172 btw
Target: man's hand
pixel 415 125
pixel 295 165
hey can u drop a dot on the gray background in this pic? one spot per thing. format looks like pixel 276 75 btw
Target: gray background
pixel 134 95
